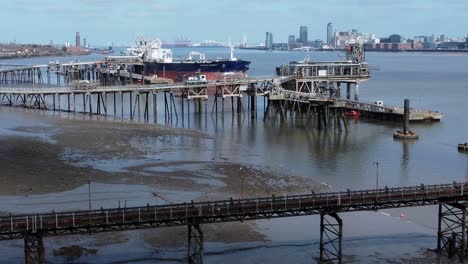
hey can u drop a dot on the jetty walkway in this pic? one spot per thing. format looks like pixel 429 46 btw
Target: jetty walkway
pixel 451 199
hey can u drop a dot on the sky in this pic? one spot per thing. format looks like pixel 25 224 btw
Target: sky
pixel 104 22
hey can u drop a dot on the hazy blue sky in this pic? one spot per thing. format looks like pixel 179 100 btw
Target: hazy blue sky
pixel 105 21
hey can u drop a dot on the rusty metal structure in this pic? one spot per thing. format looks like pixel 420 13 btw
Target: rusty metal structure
pixel 452 232
pixel 308 88
pixel 331 236
pixel 195 243
pixel 451 199
pixel 33 248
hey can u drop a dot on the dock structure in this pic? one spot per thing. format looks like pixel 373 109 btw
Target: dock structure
pixel 310 89
pixel 64 72
pixel 25 74
pixel 327 77
pixel 451 235
pixel 396 113
pixel 93 99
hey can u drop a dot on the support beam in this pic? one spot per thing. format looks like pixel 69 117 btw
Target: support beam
pixel 348 91
pixel 338 90
pixel 33 248
pixel 356 92
pixel 331 235
pixel 451 235
pixel 155 107
pixel 406 116
pixel 195 244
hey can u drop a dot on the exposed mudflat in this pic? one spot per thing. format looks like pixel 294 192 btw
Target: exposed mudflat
pixel 46 167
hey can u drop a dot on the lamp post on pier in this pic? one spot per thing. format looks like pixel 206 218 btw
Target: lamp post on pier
pixel 242 183
pixel 89 198
pixel 376 163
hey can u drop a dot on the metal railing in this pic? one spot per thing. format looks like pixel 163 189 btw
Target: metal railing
pixel 61 223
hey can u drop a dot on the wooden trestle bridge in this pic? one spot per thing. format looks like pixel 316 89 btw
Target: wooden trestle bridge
pixel 451 236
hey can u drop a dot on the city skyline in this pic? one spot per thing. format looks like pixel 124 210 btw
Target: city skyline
pixel 105 22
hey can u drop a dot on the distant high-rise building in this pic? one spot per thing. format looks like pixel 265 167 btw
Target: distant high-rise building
pixel 442 38
pixel 303 35
pixel 392 39
pixel 329 33
pixel 78 39
pixel 429 39
pixel 269 40
pixel 84 42
pixel 292 42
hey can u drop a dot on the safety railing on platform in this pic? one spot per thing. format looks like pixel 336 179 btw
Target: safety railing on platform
pixel 217 211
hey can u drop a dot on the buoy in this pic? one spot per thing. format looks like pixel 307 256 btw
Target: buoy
pixel 402 215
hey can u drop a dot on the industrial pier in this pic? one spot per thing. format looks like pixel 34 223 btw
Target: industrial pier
pixel 310 89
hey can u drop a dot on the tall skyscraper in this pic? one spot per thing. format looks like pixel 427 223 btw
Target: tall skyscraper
pixel 291 41
pixel 442 38
pixel 269 40
pixel 78 39
pixel 303 35
pixel 330 33
pixel 84 42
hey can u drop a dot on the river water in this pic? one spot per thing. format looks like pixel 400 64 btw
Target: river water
pixel 340 160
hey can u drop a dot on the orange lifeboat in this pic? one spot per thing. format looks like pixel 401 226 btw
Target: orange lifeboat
pixel 352 113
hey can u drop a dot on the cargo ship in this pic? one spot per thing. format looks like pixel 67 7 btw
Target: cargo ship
pixel 158 61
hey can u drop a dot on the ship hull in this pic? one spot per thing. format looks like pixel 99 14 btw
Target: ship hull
pixel 180 71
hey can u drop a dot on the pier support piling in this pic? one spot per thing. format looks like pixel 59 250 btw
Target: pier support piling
pixel 33 248
pixel 451 235
pixel 406 133
pixel 195 244
pixel 406 115
pixel 348 91
pixel 331 235
pixel 356 92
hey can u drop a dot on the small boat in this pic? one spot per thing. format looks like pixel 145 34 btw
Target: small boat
pixel 463 147
pixel 352 113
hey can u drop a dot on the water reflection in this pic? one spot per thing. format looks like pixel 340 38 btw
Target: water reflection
pixel 405 159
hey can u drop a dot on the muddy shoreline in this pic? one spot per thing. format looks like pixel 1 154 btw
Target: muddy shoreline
pixel 67 152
